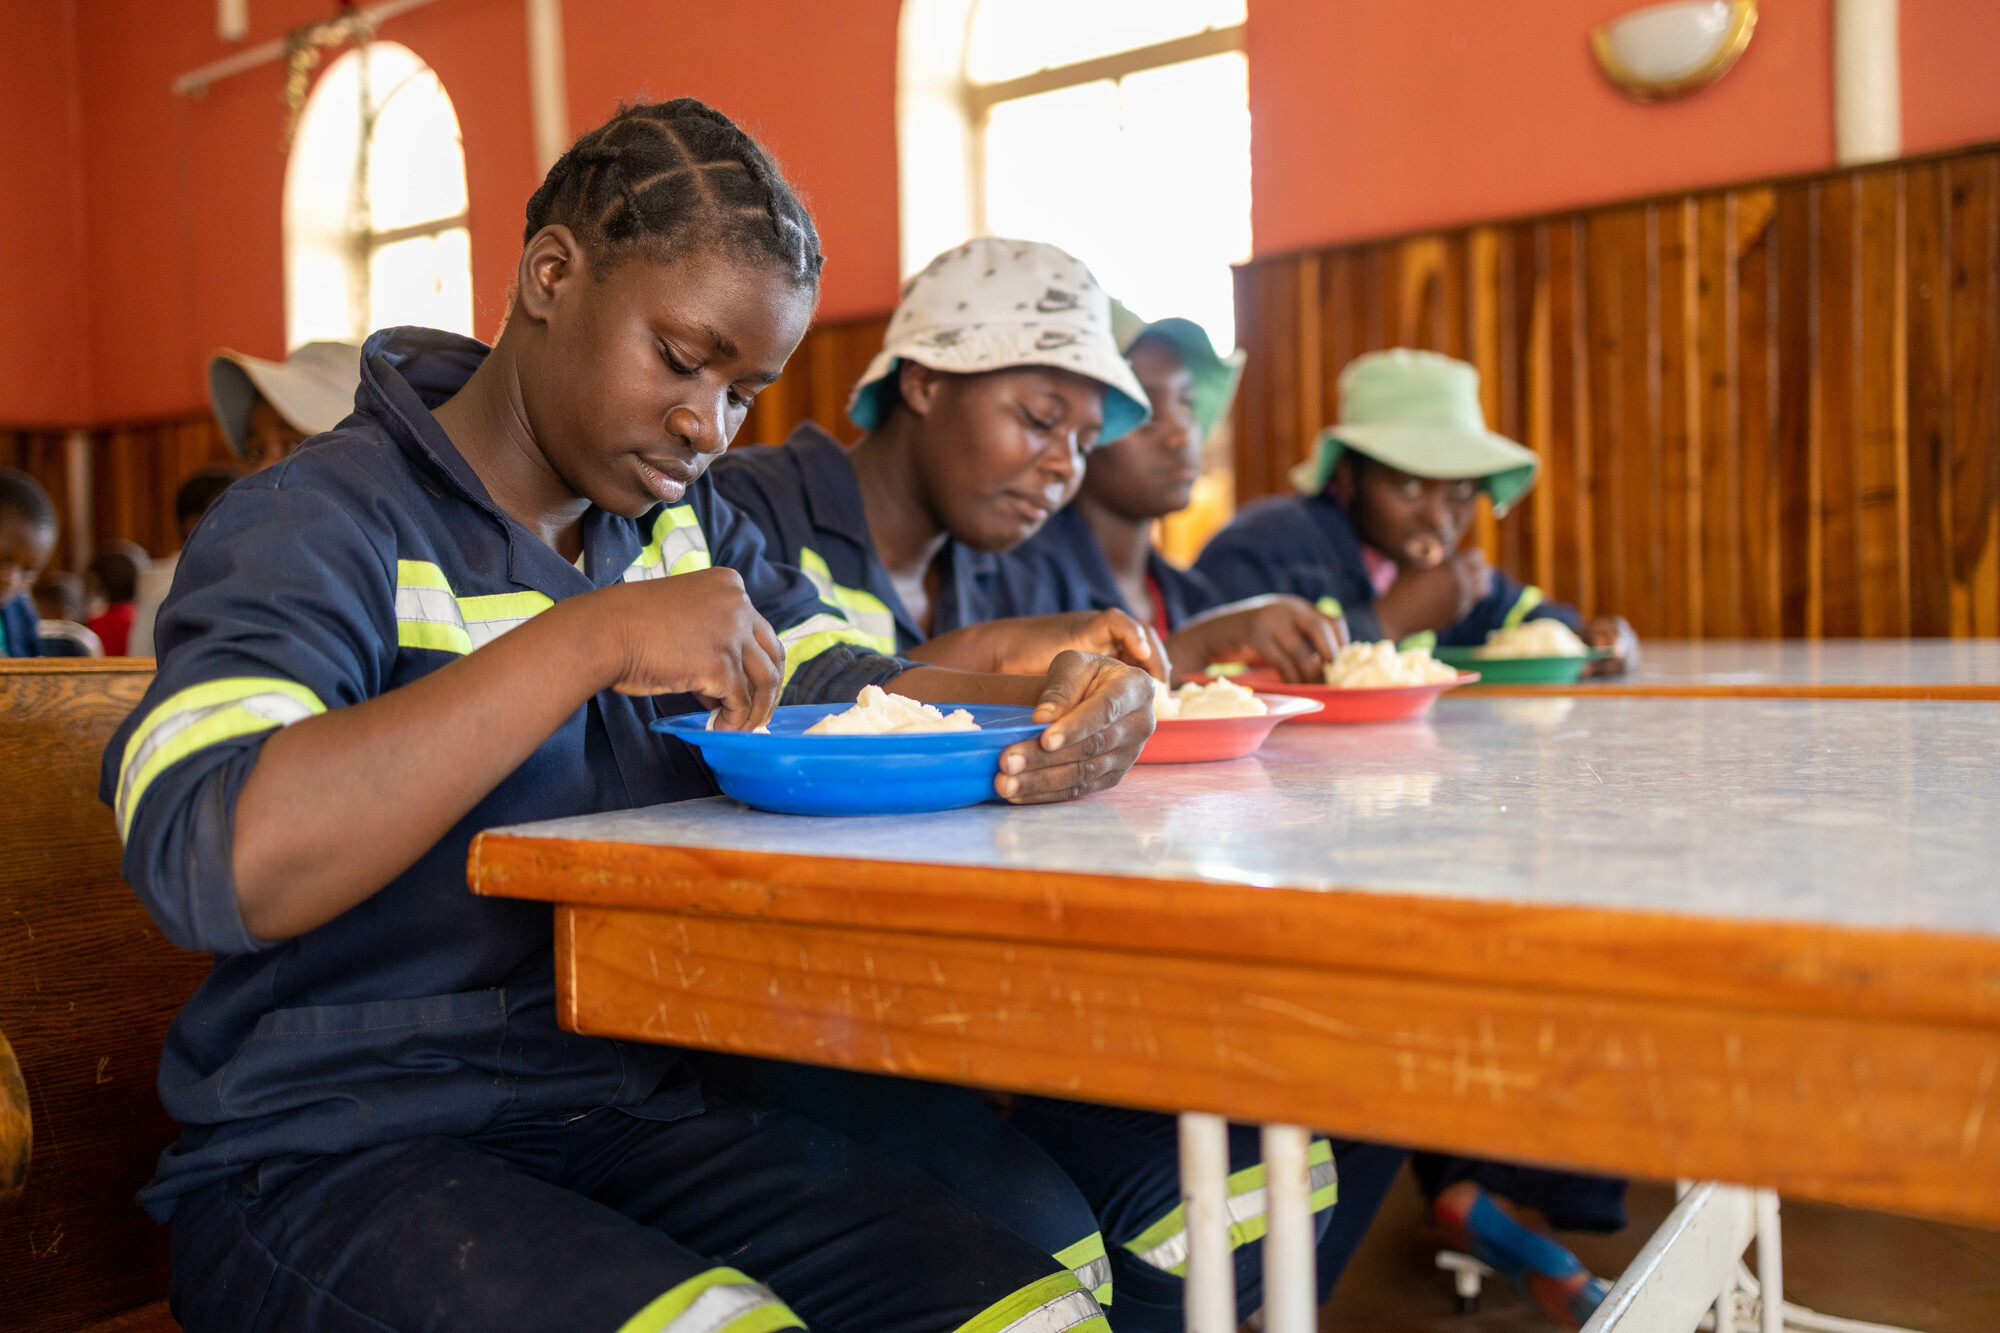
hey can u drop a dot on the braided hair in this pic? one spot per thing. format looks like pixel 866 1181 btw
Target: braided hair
pixel 672 176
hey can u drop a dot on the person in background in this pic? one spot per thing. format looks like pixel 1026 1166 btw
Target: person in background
pixel 268 408
pixel 1098 552
pixel 27 539
pixel 1385 500
pixel 114 581
pixel 191 501
pixel 61 603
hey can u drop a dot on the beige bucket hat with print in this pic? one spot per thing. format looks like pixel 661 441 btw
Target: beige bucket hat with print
pixel 992 304
pixel 313 388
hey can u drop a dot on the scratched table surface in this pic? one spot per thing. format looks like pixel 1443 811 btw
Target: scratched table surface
pixel 1743 939
pixel 1880 814
pixel 1861 668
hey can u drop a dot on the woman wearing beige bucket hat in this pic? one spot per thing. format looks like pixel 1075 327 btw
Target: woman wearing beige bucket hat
pixel 1386 497
pixel 997 375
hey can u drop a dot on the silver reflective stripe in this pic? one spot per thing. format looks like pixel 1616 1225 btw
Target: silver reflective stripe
pixel 818 623
pixel 280 710
pixel 429 606
pixel 1172 1252
pixel 1095 1273
pixel 720 1306
pixel 1069 1310
pixel 483 632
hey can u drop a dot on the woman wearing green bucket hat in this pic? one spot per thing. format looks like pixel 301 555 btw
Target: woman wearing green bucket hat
pixel 1385 498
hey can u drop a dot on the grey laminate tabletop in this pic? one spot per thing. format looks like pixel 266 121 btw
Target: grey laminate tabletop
pixel 1880 814
pixel 1962 667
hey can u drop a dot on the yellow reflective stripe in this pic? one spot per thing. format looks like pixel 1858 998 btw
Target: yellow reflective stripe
pixel 1531 597
pixel 865 611
pixel 198 717
pixel 678 547
pixel 813 636
pixel 1092 1266
pixel 430 615
pixel 1056 1304
pixel 720 1300
pixel 1164 1245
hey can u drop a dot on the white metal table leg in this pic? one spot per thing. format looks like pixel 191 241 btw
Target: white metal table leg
pixel 1210 1297
pixel 1770 1262
pixel 1290 1300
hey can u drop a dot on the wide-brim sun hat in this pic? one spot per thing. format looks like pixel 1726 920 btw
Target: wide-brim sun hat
pixel 313 388
pixel 997 304
pixel 1215 376
pixel 1419 412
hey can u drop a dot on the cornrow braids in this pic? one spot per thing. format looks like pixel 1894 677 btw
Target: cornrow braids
pixel 672 176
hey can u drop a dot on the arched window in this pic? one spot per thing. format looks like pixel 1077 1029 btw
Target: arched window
pixel 1117 129
pixel 375 226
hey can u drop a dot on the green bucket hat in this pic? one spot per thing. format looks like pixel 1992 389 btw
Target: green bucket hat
pixel 1419 412
pixel 1215 376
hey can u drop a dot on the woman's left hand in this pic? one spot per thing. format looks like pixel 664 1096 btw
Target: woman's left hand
pixel 1098 714
pixel 1285 633
pixel 1615 633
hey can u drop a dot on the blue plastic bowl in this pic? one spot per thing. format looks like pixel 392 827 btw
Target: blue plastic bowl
pixel 796 774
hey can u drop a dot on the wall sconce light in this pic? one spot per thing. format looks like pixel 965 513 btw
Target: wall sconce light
pixel 1666 51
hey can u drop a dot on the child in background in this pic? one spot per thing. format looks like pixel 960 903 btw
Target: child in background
pixel 266 409
pixel 997 376
pixel 27 539
pixel 114 581
pixel 191 501
pixel 1385 500
pixel 463 608
pixel 60 602
pixel 1098 553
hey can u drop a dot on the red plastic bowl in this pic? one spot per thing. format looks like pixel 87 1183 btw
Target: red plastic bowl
pixel 1199 740
pixel 1394 704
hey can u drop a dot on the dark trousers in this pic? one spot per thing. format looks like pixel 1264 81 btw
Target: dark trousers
pixel 581 1225
pixel 1055 1171
pixel 1571 1200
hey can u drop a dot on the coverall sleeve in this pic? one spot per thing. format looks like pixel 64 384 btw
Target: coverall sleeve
pixel 283 608
pixel 1509 604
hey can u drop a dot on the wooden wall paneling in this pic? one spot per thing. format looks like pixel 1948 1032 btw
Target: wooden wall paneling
pixel 1796 334
pixel 1880 443
pixel 1763 410
pixel 1712 381
pixel 1755 420
pixel 1317 398
pixel 1673 376
pixel 1927 428
pixel 1973 224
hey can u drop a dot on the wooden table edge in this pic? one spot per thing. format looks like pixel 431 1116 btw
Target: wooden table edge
pixel 1748 964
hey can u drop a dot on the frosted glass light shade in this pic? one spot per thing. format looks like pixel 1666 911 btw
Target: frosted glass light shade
pixel 1666 51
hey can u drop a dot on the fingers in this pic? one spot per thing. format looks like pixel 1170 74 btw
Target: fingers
pixel 1102 717
pixel 1116 634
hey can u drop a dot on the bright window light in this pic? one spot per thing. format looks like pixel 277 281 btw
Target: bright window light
pixel 1146 179
pixel 1010 38
pixel 375 203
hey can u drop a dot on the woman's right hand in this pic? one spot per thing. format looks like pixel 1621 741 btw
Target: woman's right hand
pixel 1025 645
pixel 1436 598
pixel 695 633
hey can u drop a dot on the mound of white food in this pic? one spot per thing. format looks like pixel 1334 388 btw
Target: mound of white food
pixel 1378 666
pixel 877 713
pixel 1535 638
pixel 1218 698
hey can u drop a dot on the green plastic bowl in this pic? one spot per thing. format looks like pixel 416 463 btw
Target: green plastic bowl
pixel 1519 670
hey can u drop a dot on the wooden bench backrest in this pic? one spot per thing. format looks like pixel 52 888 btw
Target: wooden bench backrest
pixel 87 987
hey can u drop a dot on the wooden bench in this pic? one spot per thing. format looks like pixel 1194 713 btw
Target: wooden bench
pixel 87 988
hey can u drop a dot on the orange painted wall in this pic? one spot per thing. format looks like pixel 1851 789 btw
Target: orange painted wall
pixel 154 220
pixel 1372 119
pixel 44 371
